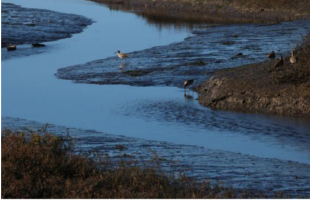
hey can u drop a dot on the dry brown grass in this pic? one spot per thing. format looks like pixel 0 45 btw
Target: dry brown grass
pixel 35 166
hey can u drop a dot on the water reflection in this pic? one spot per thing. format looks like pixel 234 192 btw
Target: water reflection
pixel 123 65
pixel 166 19
pixel 188 97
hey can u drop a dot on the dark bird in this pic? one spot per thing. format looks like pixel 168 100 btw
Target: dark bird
pixel 187 83
pixel 11 47
pixel 272 55
pixel 279 63
pixel 293 58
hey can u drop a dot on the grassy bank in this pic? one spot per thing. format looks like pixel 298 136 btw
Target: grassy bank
pixel 232 11
pixel 35 166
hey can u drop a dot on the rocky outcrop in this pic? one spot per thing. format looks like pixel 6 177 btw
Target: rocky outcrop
pixel 261 88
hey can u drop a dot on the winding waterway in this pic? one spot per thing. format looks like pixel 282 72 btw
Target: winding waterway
pixel 31 91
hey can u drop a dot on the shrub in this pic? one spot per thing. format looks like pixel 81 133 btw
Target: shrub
pixel 44 166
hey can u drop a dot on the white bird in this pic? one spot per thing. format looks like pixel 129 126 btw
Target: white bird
pixel 293 58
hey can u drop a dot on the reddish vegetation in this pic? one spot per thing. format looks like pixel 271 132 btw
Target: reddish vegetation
pixel 43 166
pixel 36 166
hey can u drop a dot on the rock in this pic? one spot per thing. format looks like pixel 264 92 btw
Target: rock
pixel 11 48
pixel 38 45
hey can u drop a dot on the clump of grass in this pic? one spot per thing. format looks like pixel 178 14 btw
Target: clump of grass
pixel 44 166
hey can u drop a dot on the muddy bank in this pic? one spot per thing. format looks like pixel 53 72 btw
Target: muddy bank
pixel 198 56
pixel 28 26
pixel 262 88
pixel 243 11
pixel 229 169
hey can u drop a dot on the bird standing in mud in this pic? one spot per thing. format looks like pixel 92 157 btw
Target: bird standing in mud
pixel 293 58
pixel 122 55
pixel 187 83
pixel 279 63
pixel 272 55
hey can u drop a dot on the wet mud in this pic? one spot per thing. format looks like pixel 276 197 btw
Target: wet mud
pixel 197 57
pixel 229 169
pixel 262 87
pixel 29 26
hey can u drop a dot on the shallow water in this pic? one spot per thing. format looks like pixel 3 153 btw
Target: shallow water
pixel 31 91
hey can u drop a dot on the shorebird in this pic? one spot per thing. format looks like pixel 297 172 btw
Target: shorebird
pixel 187 83
pixel 293 58
pixel 279 63
pixel 122 55
pixel 272 55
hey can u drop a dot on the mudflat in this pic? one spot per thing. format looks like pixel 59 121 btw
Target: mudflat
pixel 29 26
pixel 262 87
pixel 197 57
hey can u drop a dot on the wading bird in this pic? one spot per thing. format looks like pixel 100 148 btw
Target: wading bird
pixel 293 58
pixel 187 83
pixel 279 63
pixel 122 55
pixel 272 55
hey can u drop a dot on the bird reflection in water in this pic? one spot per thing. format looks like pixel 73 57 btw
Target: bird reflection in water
pixel 188 96
pixel 122 66
pixel 186 85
